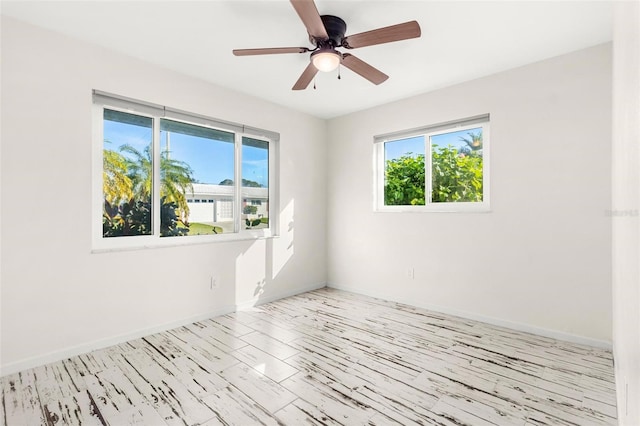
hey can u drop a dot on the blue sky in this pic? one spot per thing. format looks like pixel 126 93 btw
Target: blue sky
pixel 118 134
pixel 255 165
pixel 210 160
pixel 415 145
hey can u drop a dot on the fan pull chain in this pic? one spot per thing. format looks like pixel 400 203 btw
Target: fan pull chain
pixel 314 83
pixel 339 73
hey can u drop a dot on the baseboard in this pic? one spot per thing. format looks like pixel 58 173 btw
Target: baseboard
pixel 258 300
pixel 55 356
pixel 540 331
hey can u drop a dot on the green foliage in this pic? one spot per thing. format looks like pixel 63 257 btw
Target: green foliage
pixel 252 222
pixel 196 228
pixel 250 209
pixel 456 176
pixel 245 183
pixel 474 143
pixel 176 177
pixel 169 220
pixel 128 218
pixel 139 169
pixel 116 185
pixel 133 217
pixel 251 183
pixel 404 181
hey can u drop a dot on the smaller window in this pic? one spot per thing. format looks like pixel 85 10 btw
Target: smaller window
pixel 438 168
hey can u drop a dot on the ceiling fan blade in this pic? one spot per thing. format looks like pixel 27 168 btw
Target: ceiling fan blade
pixel 364 69
pixel 269 51
pixel 310 17
pixel 306 77
pixel 397 32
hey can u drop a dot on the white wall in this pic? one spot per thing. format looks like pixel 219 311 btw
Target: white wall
pixel 541 259
pixel 57 297
pixel 626 204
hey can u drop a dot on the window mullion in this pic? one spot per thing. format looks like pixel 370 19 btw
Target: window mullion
pixel 237 205
pixel 156 181
pixel 381 168
pixel 428 172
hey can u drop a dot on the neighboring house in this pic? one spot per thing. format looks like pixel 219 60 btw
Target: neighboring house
pixel 214 203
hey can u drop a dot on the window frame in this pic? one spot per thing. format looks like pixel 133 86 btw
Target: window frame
pixel 379 167
pixel 102 101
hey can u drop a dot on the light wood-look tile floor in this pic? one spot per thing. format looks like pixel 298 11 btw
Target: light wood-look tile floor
pixel 326 357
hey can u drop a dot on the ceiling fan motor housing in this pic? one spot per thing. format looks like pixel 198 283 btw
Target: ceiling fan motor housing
pixel 336 28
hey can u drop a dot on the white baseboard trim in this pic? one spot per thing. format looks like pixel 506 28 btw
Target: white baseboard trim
pixel 527 328
pixel 36 361
pixel 259 300
pixel 54 356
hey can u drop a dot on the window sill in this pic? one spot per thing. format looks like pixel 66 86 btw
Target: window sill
pixel 439 208
pixel 172 242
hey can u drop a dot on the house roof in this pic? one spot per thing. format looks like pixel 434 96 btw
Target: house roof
pixel 203 190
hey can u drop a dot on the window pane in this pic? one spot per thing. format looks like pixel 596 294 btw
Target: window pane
pixel 196 173
pixel 126 174
pixel 456 159
pixel 255 183
pixel 404 176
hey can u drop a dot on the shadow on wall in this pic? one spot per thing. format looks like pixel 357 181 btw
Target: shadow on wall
pixel 261 263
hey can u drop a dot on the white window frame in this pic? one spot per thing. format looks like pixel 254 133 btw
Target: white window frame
pixel 481 121
pixel 102 100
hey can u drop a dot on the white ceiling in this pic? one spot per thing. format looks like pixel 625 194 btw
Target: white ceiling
pixel 460 41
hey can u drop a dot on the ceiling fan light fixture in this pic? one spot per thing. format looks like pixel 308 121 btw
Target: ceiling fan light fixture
pixel 327 33
pixel 326 59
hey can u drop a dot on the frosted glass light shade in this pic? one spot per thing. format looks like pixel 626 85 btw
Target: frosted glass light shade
pixel 327 60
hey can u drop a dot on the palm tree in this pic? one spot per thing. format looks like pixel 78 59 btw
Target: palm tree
pixel 176 178
pixel 116 185
pixel 474 142
pixel 139 170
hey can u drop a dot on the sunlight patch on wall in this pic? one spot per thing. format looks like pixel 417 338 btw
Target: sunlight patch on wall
pixel 251 274
pixel 283 247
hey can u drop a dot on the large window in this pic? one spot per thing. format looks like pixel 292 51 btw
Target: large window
pixel 164 175
pixel 443 167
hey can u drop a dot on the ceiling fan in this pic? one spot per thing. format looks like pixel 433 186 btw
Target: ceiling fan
pixel 326 32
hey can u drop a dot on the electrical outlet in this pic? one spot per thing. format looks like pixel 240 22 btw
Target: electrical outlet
pixel 626 398
pixel 410 273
